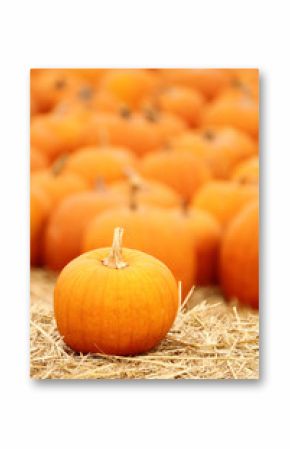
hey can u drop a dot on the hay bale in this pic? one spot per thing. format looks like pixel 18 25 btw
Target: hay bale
pixel 211 340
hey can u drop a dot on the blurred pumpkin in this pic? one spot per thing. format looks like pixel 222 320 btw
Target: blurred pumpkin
pixel 237 107
pixel 141 133
pixel 222 148
pixel 38 160
pixel 129 86
pixel 224 199
pixel 108 163
pixel 247 172
pixel 151 230
pixel 208 81
pixel 206 233
pixel 115 301
pixel 239 258
pixel 58 133
pixel 182 171
pixel 150 192
pixel 184 102
pixel 64 231
pixel 56 184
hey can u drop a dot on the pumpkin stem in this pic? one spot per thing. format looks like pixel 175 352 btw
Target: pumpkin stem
pixel 135 184
pixel 114 259
pixel 58 165
pixel 100 184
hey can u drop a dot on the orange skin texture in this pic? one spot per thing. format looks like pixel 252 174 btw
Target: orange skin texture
pixel 154 231
pixel 221 148
pixel 224 199
pixel 39 210
pixel 123 311
pixel 234 108
pixel 107 163
pixel 209 82
pixel 247 172
pixel 136 132
pixel 38 160
pixel 152 193
pixel 58 187
pixel 239 257
pixel 182 171
pixel 56 134
pixel 67 222
pixel 184 102
pixel 129 86
pixel 206 233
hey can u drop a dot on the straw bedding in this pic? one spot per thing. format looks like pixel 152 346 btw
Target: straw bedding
pixel 209 340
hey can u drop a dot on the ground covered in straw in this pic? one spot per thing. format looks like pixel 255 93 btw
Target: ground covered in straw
pixel 209 340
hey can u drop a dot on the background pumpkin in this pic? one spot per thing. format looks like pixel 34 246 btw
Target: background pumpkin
pixel 247 172
pixel 224 199
pixel 206 233
pixel 107 163
pixel 120 302
pixel 39 210
pixel 182 171
pixel 239 258
pixel 64 230
pixel 38 160
pixel 222 148
pixel 152 230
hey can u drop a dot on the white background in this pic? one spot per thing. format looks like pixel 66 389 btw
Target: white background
pixel 144 33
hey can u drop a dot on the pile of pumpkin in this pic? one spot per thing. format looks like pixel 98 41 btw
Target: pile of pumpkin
pixel 170 155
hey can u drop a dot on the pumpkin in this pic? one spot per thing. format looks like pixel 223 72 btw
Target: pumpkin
pixel 247 172
pixel 115 301
pixel 129 86
pixel 180 170
pixel 141 133
pixel 208 81
pixel 206 233
pixel 108 163
pixel 239 257
pixel 224 199
pixel 39 210
pixel 58 133
pixel 150 192
pixel 38 160
pixel 50 86
pixel 184 102
pixel 221 148
pixel 64 230
pixel 56 184
pixel 152 230
pixel 236 107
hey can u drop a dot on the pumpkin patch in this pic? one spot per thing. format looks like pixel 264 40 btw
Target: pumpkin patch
pixel 144 199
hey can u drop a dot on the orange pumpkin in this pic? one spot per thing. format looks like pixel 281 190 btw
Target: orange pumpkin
pixel 224 199
pixel 206 233
pixel 237 108
pixel 64 231
pixel 107 163
pixel 184 102
pixel 154 231
pixel 150 192
pixel 221 148
pixel 115 301
pixel 39 210
pixel 239 258
pixel 56 184
pixel 181 170
pixel 141 133
pixel 58 133
pixel 38 160
pixel 208 81
pixel 129 86
pixel 247 172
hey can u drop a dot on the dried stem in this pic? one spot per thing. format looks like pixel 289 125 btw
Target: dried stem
pixel 115 259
